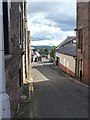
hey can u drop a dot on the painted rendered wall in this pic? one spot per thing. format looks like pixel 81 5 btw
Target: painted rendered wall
pixel 66 63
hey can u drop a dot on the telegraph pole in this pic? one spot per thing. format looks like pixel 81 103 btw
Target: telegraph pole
pixel 4 98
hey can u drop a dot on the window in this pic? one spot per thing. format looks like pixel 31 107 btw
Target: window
pixel 67 64
pixel 20 26
pixel 6 25
pixel 64 61
pixel 20 77
pixel 6 28
pixel 78 67
pixel 80 39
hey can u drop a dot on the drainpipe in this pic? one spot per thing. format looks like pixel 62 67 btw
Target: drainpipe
pixel 4 98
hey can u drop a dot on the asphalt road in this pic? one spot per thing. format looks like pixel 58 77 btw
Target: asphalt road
pixel 56 95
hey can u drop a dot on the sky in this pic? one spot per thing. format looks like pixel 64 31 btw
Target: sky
pixel 51 22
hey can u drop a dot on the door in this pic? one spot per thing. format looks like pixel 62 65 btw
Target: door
pixel 57 61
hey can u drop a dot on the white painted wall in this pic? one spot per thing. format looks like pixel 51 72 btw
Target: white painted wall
pixel 57 54
pixel 67 61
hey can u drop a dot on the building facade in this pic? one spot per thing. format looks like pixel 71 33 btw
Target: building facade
pixel 12 20
pixel 16 49
pixel 26 45
pixel 66 63
pixel 83 42
pixel 65 56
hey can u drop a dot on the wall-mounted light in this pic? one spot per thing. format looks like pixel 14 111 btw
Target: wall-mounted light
pixel 76 29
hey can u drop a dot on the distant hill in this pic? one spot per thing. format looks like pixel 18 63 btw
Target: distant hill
pixel 48 47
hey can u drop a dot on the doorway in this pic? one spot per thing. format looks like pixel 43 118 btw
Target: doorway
pixel 57 61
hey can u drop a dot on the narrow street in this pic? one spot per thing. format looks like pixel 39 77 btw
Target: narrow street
pixel 56 95
pixel 44 48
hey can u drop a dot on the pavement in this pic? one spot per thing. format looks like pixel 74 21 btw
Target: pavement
pixel 24 103
pixel 55 95
pixel 24 108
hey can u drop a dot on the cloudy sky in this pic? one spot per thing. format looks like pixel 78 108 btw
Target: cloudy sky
pixel 51 22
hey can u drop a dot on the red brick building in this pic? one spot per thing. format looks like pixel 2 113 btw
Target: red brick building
pixel 83 42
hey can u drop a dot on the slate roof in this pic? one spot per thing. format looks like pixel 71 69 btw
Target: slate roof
pixel 67 46
pixel 66 41
pixel 68 50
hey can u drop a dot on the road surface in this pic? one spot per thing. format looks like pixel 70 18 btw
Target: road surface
pixel 56 95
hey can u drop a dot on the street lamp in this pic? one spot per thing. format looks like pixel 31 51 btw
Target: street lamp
pixel 4 98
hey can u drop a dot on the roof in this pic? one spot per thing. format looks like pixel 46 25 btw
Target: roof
pixel 37 54
pixel 32 48
pixel 66 41
pixel 68 50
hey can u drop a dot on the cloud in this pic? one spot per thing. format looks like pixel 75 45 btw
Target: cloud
pixel 51 21
pixel 46 42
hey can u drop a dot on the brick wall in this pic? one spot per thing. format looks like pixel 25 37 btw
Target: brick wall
pixel 89 42
pixel 83 23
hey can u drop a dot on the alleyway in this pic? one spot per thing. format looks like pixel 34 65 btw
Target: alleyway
pixel 56 95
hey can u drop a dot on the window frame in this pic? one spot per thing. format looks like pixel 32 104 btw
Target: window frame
pixel 80 39
pixel 6 26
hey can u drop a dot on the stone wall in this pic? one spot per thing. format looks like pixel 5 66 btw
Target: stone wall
pixel 14 63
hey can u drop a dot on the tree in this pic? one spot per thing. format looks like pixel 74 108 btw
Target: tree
pixel 43 51
pixel 52 52
pixel 46 51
